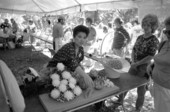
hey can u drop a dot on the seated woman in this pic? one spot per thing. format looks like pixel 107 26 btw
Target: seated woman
pixel 71 54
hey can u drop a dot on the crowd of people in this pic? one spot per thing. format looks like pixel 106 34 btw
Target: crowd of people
pixel 139 42
pixel 144 50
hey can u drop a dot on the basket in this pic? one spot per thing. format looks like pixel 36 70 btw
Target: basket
pixel 115 73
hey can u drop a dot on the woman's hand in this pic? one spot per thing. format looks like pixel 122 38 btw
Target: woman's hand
pixel 87 80
pixel 134 65
pixel 90 85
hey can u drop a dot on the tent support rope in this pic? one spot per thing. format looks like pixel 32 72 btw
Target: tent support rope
pixel 38 5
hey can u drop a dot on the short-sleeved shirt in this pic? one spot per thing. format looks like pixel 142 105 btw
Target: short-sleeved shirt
pixel 145 47
pixel 121 38
pixel 14 27
pixel 68 57
pixel 57 31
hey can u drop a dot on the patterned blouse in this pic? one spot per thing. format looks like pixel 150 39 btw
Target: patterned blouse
pixel 121 38
pixel 145 47
pixel 67 56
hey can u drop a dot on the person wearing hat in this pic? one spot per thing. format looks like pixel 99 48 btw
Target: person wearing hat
pixel 121 38
pixel 58 33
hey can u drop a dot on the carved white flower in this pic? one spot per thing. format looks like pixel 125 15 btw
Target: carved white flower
pixel 55 93
pixel 77 90
pixel 62 87
pixel 60 66
pixel 72 80
pixel 68 95
pixel 66 75
pixel 65 82
pixel 55 76
pixel 71 85
pixel 56 83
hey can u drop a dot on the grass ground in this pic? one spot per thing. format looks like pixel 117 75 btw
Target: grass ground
pixel 20 59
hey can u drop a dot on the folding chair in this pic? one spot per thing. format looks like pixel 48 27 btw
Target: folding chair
pixel 11 89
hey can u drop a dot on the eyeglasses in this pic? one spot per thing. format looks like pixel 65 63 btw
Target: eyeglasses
pixel 166 32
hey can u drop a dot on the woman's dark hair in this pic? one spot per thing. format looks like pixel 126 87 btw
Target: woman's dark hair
pixel 80 28
pixel 48 21
pixel 135 21
pixel 167 21
pixel 152 20
pixel 118 20
pixel 110 25
pixel 89 20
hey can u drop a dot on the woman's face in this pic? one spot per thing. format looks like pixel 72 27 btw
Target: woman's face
pixel 167 31
pixel 116 24
pixel 88 23
pixel 80 38
pixel 146 28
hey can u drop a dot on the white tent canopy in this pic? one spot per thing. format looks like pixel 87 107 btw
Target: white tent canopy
pixel 159 7
pixel 62 6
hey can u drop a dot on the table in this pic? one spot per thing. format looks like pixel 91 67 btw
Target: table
pixel 124 83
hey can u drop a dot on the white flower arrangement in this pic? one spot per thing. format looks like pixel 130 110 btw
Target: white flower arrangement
pixel 66 75
pixel 77 90
pixel 65 85
pixel 68 95
pixel 72 80
pixel 65 82
pixel 71 85
pixel 56 83
pixel 62 87
pixel 55 76
pixel 60 66
pixel 55 93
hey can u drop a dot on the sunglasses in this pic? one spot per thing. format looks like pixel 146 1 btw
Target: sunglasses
pixel 166 32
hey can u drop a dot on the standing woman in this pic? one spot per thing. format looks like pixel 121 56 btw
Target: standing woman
pixel 71 54
pixel 143 51
pixel 121 38
pixel 160 71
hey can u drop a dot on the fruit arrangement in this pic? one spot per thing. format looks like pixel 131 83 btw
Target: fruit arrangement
pixel 100 79
pixel 99 83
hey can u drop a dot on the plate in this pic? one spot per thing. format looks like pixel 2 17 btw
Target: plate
pixel 125 63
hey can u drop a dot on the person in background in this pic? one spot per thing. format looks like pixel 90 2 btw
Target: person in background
pixel 160 72
pixel 121 39
pixel 71 54
pixel 81 21
pixel 58 33
pixel 14 26
pixel 110 27
pixel 143 51
pixel 5 26
pixel 31 29
pixel 92 35
pixel 136 30
pixel 105 29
